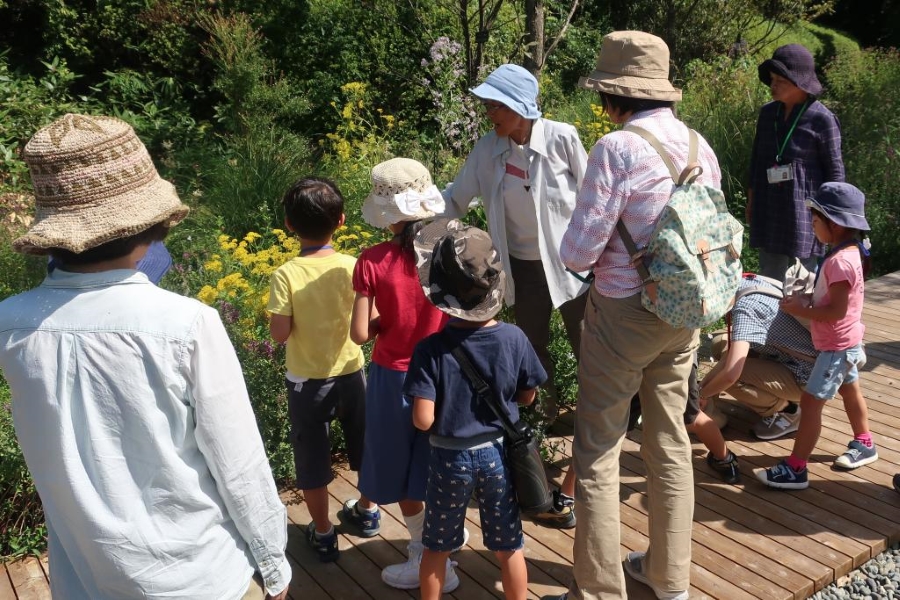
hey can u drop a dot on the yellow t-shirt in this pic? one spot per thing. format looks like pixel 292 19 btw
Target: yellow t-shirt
pixel 318 294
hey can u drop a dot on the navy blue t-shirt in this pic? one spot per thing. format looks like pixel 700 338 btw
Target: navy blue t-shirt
pixel 503 356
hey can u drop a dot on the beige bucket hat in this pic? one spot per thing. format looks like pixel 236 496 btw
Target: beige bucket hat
pixel 460 270
pixel 94 182
pixel 402 190
pixel 632 64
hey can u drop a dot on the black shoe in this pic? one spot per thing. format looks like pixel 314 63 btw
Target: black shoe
pixel 897 482
pixel 727 468
pixel 326 547
pixel 561 514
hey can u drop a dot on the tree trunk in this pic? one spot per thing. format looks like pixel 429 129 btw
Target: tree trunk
pixel 534 37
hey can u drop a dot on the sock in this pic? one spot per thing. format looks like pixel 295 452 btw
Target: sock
pixel 795 463
pixel 328 533
pixel 366 511
pixel 791 408
pixel 415 524
pixel 865 439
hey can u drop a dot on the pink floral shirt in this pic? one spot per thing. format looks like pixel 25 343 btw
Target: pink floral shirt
pixel 626 178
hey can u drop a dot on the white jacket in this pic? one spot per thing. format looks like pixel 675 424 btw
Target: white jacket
pixel 558 162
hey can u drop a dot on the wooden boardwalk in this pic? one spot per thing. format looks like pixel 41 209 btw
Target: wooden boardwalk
pixel 748 541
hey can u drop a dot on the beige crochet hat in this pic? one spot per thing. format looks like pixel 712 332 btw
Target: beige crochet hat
pixel 632 64
pixel 94 182
pixel 402 190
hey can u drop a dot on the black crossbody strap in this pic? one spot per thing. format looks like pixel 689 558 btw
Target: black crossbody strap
pixel 484 391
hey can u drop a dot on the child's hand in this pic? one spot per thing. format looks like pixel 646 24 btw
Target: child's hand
pixel 795 304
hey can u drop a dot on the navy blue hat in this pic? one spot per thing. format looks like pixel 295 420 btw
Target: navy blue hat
pixel 156 262
pixel 512 86
pixel 841 203
pixel 793 62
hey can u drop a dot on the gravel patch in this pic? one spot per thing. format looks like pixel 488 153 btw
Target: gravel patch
pixel 878 579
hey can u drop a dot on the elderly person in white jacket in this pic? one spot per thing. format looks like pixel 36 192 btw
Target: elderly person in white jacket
pixel 527 172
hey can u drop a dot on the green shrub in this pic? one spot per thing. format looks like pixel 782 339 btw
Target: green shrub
pixel 863 88
pixel 22 529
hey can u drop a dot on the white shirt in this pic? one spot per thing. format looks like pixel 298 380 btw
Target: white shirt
pixel 521 219
pixel 626 178
pixel 557 166
pixel 131 410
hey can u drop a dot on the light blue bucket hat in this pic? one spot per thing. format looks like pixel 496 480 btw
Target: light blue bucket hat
pixel 514 87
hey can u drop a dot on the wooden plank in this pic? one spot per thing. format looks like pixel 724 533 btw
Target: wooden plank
pixel 6 588
pixel 28 580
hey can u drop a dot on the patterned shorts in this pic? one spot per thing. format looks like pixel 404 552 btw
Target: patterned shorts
pixel 454 475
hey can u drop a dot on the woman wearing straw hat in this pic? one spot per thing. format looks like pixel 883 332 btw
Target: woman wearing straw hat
pixel 128 400
pixel 625 348
pixel 527 172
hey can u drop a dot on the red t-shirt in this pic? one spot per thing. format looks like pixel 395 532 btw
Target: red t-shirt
pixel 387 274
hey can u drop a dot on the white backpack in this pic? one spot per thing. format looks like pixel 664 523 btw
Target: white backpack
pixel 691 267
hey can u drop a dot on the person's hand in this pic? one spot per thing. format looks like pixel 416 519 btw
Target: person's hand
pixel 794 304
pixel 281 596
pixel 702 402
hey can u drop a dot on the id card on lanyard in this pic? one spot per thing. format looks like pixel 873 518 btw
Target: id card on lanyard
pixel 780 173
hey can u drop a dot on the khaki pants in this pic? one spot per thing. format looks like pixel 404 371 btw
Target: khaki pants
pixel 256 591
pixel 765 386
pixel 626 349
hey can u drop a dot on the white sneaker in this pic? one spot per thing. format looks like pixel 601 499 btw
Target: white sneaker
pixel 464 542
pixel 405 576
pixel 634 566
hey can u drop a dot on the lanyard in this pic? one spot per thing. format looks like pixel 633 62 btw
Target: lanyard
pixel 311 249
pixel 790 131
pixel 835 250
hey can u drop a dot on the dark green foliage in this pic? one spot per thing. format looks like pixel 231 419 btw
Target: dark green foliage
pixel 22 529
pixel 863 89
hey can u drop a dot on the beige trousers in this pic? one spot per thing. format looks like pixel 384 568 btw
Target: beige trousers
pixel 765 386
pixel 626 349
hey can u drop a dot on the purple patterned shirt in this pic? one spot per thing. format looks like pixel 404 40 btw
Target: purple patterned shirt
pixel 780 221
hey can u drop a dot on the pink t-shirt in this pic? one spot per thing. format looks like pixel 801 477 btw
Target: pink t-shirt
pixel 845 265
pixel 388 274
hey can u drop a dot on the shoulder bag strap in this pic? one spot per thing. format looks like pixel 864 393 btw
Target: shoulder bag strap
pixel 484 391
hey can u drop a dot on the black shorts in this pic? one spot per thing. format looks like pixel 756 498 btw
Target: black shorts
pixel 312 406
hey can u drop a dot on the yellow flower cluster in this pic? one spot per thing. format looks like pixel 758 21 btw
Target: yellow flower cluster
pixel 247 265
pixel 361 130
pixel 596 128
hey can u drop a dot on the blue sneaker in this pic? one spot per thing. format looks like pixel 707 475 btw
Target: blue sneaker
pixel 783 477
pixel 325 546
pixel 366 524
pixel 857 455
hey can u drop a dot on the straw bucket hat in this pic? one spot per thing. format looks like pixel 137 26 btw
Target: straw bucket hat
pixel 460 270
pixel 402 190
pixel 632 64
pixel 94 182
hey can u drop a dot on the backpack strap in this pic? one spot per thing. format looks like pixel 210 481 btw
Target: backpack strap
pixel 690 172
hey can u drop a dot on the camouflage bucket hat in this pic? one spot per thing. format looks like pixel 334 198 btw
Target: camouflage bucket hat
pixel 460 270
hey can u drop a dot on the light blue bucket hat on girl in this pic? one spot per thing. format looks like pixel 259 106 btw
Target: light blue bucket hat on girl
pixel 512 86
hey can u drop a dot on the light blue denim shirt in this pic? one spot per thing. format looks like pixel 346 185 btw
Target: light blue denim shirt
pixel 131 410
